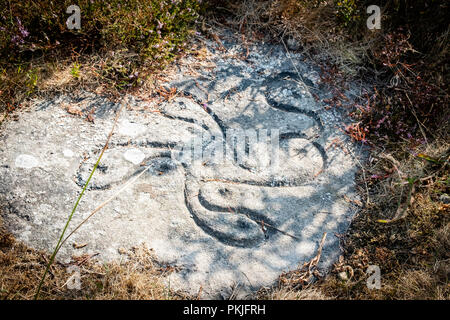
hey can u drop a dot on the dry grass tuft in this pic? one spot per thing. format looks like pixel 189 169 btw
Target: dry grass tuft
pixel 412 250
pixel 417 285
pixel 286 294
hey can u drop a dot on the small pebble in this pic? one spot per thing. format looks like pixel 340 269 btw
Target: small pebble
pixel 135 156
pixel 26 161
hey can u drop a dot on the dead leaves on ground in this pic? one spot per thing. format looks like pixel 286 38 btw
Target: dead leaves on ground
pixel 75 110
pixel 354 201
pixel 303 276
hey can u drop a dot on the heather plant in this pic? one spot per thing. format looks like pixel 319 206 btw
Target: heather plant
pixel 150 28
pixel 135 37
pixel 348 12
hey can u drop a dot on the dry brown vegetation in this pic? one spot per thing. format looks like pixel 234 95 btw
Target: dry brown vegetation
pixel 138 276
pixel 403 228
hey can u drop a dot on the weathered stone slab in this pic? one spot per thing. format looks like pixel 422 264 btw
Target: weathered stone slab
pixel 263 161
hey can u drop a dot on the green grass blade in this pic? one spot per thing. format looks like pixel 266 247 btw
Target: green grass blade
pixel 58 245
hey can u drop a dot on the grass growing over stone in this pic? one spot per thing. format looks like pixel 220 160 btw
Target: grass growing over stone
pixel 138 276
pixel 119 45
pixel 405 125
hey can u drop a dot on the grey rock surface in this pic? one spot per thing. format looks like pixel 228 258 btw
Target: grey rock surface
pixel 219 217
